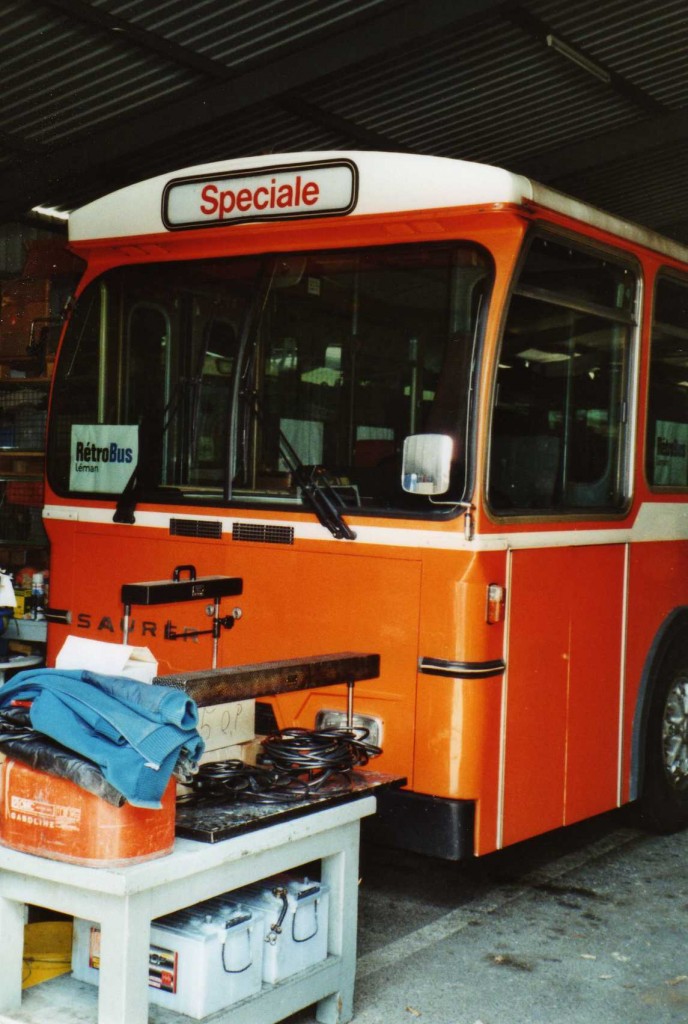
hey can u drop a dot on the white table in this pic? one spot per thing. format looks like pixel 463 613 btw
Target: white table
pixel 125 900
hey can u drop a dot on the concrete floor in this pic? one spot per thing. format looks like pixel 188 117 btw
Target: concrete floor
pixel 586 925
pixel 582 926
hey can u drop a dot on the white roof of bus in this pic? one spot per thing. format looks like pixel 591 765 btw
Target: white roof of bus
pixel 388 183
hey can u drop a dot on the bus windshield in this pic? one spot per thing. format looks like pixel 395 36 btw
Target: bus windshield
pixel 221 379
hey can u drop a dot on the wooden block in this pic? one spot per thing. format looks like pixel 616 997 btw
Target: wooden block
pixel 268 678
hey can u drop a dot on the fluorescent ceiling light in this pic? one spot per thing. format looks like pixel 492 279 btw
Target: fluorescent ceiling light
pixel 536 355
pixel 47 211
pixel 579 58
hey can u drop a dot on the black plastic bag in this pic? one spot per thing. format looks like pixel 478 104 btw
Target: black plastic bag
pixel 21 742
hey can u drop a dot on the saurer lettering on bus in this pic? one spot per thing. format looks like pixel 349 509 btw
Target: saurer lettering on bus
pixel 222 202
pixel 85 620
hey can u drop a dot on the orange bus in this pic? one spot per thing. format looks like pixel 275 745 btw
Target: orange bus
pixel 422 408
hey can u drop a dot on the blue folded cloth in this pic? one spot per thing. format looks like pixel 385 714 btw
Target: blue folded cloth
pixel 134 732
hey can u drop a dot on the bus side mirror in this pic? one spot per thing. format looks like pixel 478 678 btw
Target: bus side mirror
pixel 426 463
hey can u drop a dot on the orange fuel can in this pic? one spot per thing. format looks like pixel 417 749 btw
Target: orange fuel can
pixel 54 817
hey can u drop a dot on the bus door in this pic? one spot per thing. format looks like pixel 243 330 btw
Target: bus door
pixel 558 485
pixel 563 686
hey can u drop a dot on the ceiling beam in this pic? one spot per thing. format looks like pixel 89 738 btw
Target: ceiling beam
pixel 358 134
pixel 400 24
pixel 213 69
pixel 613 146
pixel 98 18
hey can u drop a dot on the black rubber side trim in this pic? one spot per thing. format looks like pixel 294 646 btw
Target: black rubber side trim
pixel 461 669
pixel 429 825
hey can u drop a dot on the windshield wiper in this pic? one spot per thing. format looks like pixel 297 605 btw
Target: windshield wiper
pixel 127 501
pixel 251 319
pixel 317 491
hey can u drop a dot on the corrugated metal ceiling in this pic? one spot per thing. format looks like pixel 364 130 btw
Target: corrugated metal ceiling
pixel 98 93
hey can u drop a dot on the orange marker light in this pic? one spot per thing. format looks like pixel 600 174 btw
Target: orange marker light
pixel 496 595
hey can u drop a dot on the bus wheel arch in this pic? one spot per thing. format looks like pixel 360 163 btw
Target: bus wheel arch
pixel 659 768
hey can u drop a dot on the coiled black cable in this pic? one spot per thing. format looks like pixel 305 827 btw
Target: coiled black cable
pixel 296 750
pixel 226 780
pixel 295 764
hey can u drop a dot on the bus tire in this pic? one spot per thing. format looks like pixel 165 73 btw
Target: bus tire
pixel 664 798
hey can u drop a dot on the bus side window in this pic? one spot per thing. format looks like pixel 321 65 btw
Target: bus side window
pixel 558 425
pixel 666 449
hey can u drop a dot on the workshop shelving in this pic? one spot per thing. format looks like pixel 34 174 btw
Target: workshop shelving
pixel 23 410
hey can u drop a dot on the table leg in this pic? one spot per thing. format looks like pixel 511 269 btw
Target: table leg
pixel 11 953
pixel 340 873
pixel 124 949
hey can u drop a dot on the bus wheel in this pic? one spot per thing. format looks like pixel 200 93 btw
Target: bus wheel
pixel 664 799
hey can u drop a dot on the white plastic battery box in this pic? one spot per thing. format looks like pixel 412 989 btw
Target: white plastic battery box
pixel 295 918
pixel 201 959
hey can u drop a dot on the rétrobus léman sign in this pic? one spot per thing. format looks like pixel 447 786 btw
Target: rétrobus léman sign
pixel 103 457
pixel 322 189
